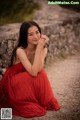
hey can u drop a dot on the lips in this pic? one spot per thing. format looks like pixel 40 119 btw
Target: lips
pixel 35 40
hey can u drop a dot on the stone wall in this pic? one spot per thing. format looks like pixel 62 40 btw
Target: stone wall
pixel 64 40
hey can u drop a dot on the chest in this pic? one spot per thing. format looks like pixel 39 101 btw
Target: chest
pixel 30 56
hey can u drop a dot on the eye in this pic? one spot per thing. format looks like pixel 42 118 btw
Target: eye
pixel 30 34
pixel 37 32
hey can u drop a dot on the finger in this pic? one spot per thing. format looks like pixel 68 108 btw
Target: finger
pixel 45 37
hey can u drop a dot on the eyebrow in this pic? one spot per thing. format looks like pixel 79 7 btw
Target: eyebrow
pixel 32 32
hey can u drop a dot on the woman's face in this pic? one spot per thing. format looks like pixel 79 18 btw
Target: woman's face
pixel 33 35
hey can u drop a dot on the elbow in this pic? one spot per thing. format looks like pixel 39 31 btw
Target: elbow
pixel 34 74
pixel 40 69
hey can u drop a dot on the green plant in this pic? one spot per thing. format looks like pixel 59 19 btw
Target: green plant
pixel 16 10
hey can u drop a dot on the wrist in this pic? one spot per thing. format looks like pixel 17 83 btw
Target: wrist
pixel 40 46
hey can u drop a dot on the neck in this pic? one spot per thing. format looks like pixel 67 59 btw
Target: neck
pixel 31 48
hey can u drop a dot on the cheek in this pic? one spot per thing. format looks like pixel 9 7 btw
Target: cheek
pixel 29 38
pixel 39 35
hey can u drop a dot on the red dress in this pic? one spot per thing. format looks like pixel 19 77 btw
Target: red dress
pixel 28 96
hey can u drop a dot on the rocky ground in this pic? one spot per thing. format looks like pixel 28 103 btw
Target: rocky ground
pixel 52 14
pixel 64 76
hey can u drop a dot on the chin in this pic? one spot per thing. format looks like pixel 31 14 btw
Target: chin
pixel 35 43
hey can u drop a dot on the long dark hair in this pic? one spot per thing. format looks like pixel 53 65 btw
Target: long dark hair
pixel 23 37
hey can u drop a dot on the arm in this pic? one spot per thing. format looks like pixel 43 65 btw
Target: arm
pixel 43 52
pixel 38 59
pixel 32 69
pixel 42 58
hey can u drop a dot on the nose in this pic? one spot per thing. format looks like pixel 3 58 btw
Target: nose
pixel 35 36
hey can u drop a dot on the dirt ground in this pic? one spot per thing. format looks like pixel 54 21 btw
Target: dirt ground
pixel 64 76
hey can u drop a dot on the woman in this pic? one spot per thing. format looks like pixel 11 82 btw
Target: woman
pixel 25 86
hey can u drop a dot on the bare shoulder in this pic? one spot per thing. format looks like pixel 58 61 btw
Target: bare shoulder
pixel 20 53
pixel 20 50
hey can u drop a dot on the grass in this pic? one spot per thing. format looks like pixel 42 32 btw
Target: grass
pixel 13 11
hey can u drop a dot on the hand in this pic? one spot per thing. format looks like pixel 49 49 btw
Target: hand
pixel 43 40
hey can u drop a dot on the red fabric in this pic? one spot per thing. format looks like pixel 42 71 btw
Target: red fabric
pixel 27 96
